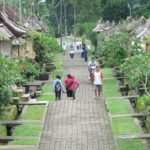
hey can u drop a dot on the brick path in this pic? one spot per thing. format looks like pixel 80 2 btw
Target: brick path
pixel 82 124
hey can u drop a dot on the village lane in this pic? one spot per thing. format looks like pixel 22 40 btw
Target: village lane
pixel 81 124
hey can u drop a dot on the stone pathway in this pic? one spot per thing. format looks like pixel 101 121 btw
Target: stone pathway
pixel 81 124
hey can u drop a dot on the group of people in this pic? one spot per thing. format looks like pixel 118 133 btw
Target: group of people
pixel 84 53
pixel 71 85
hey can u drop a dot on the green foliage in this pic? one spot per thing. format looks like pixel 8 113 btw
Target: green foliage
pixel 9 74
pixel 88 10
pixel 137 70
pixel 115 10
pixel 85 28
pixel 142 8
pixel 143 103
pixel 136 48
pixel 9 113
pixel 147 39
pixel 28 68
pixel 44 46
pixel 3 130
pixel 115 49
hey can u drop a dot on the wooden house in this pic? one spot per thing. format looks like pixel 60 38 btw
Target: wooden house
pixel 12 32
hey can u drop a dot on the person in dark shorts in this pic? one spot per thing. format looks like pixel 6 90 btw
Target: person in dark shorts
pixel 69 86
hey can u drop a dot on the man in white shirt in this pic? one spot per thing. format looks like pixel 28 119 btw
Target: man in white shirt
pixel 91 67
pixel 91 64
pixel 97 76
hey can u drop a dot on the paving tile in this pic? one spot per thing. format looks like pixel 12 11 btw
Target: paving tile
pixel 80 124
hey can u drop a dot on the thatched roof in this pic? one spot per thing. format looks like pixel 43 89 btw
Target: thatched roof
pixel 139 23
pixel 138 27
pixel 143 31
pixel 11 13
pixel 5 34
pixel 14 28
pixel 35 24
pixel 100 26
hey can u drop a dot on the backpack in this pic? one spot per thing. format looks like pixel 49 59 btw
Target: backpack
pixel 57 86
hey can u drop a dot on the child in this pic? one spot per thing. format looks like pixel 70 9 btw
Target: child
pixel 58 87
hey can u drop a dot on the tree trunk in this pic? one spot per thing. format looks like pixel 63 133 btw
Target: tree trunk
pixel 65 15
pixel 74 19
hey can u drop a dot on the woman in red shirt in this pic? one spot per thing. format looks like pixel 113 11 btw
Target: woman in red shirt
pixel 69 86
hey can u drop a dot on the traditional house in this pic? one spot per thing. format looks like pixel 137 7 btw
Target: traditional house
pixel 12 32
pixel 5 40
pixel 33 23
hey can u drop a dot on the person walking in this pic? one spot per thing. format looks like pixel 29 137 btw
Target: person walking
pixel 75 86
pixel 98 76
pixel 85 52
pixel 69 86
pixel 58 87
pixel 91 68
pixel 71 51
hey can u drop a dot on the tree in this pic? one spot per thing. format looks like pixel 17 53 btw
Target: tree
pixel 9 74
pixel 116 10
pixel 137 70
pixel 115 49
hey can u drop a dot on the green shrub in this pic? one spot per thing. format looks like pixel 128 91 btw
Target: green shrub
pixel 3 130
pixel 115 49
pixel 9 113
pixel 143 103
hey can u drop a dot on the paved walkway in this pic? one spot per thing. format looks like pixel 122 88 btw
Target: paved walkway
pixel 81 124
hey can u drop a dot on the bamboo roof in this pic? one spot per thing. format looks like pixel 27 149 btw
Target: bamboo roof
pixel 138 27
pixel 5 34
pixel 143 31
pixel 14 28
pixel 35 24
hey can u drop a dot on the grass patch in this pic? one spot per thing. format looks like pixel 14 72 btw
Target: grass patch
pixel 23 142
pixel 48 88
pixel 33 113
pixel 9 113
pixel 107 72
pixel 119 106
pixel 132 144
pixel 3 130
pixel 121 126
pixel 57 72
pixel 27 130
pixel 58 61
pixel 47 98
pixel 112 94
pixel 125 126
pixel 111 85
